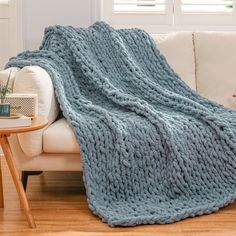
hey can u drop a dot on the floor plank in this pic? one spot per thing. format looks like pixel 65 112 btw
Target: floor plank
pixel 58 203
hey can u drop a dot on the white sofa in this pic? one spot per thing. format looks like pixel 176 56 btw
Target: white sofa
pixel 206 61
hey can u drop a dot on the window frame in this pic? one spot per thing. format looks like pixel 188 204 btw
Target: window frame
pixel 175 19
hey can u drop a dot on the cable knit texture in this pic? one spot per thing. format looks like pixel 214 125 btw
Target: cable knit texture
pixel 153 150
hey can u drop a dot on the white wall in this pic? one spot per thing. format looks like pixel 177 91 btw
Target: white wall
pixel 37 14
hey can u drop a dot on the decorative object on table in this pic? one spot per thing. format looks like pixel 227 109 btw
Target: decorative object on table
pixel 4 89
pixel 153 150
pixel 25 104
pixel 15 120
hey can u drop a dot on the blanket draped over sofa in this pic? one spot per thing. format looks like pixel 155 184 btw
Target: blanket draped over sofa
pixel 153 150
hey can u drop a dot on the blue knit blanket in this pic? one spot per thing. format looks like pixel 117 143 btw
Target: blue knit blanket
pixel 153 150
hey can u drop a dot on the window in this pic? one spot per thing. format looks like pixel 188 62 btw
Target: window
pixel 137 12
pixel 173 13
pixel 207 6
pixel 139 6
pixel 204 12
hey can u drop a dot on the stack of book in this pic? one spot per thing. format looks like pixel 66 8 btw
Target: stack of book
pixel 15 122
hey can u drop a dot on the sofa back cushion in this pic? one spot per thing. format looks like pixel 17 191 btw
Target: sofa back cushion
pixel 179 51
pixel 215 66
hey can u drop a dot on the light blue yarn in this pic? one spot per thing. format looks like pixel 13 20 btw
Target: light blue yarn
pixel 153 150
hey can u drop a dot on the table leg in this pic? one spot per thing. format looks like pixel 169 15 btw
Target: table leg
pixel 1 188
pixel 16 179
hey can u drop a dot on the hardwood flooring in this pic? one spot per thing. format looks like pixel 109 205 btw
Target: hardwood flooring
pixel 58 203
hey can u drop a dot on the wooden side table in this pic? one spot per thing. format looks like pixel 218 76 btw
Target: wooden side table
pixel 37 123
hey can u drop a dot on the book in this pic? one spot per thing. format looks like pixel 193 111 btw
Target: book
pixel 22 121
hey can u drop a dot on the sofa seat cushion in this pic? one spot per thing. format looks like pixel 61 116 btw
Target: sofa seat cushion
pixel 215 65
pixel 59 138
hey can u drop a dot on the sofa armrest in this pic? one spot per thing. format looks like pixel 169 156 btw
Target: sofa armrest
pixel 34 79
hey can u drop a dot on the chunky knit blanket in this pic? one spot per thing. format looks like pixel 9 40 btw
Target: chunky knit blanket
pixel 153 150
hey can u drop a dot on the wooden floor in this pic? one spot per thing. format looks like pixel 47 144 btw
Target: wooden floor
pixel 58 202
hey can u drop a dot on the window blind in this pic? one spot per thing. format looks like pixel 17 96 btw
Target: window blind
pixel 207 6
pixel 137 6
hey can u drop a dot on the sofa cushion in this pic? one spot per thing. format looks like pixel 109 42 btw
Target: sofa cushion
pixel 59 138
pixel 34 79
pixel 179 52
pixel 215 66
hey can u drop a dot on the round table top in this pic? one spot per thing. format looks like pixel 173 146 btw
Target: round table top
pixel 38 122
